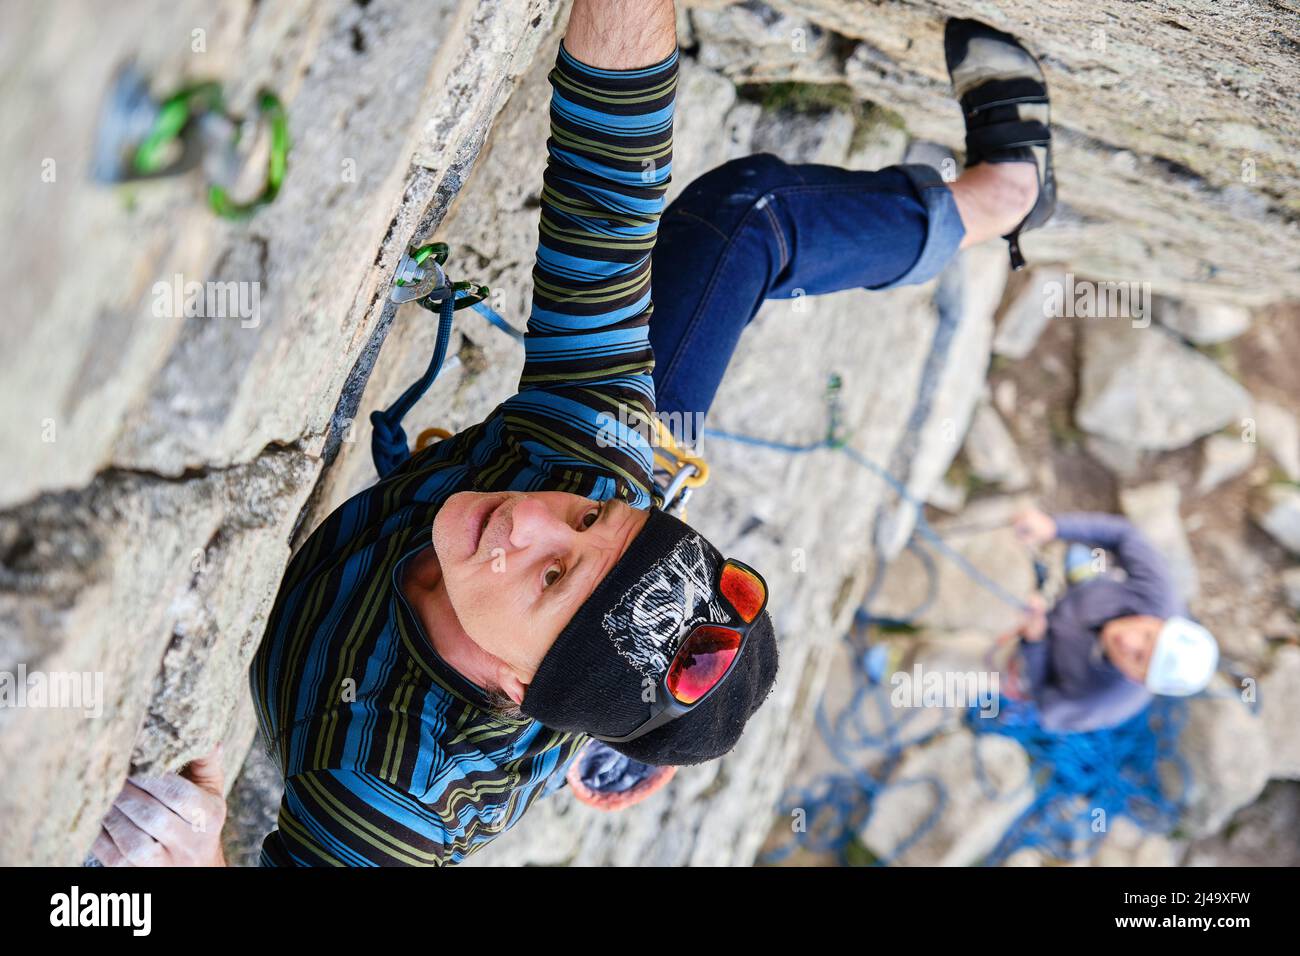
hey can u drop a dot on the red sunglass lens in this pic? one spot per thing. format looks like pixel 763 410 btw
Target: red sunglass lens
pixel 701 662
pixel 744 589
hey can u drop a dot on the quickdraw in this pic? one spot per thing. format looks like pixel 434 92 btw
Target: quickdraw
pixel 143 138
pixel 420 278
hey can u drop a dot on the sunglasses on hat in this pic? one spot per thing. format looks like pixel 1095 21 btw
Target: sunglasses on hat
pixel 708 654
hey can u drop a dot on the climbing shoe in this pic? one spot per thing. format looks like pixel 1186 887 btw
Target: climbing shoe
pixel 1003 97
pixel 603 778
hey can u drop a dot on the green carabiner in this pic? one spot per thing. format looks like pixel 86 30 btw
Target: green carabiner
pixel 270 108
pixel 173 117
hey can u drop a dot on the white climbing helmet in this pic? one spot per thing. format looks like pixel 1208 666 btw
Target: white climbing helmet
pixel 1184 659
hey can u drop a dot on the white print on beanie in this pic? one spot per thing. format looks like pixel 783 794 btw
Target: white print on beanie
pixel 675 593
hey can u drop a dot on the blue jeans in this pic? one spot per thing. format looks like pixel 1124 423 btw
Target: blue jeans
pixel 758 228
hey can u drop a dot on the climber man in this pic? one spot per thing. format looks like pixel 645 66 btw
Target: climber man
pixel 1108 644
pixel 446 641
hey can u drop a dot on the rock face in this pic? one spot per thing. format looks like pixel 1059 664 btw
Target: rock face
pixel 1224 457
pixel 1279 433
pixel 991 451
pixel 1027 313
pixel 166 459
pixel 168 463
pixel 1262 834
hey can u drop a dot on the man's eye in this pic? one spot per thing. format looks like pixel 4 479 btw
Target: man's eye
pixel 553 574
pixel 591 517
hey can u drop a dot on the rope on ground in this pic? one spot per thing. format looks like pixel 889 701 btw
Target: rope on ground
pixel 1082 782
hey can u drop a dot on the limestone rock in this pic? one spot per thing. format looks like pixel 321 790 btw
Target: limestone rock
pixel 1199 186
pixel 1124 461
pixel 1153 508
pixel 167 459
pixel 992 453
pixel 1226 749
pixel 1262 834
pixel 947 598
pixel 1026 314
pixel 252 807
pixel 805 137
pixel 1279 434
pixel 1143 388
pixel 1291 587
pixel 948 496
pixel 1223 458
pixel 1127 844
pixel 1203 323
pixel 1279 699
pixel 1276 509
pixel 750 42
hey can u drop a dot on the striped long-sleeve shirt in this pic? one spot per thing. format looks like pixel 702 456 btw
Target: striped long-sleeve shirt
pixel 389 756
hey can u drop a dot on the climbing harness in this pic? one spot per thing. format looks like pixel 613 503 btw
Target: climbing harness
pixel 143 138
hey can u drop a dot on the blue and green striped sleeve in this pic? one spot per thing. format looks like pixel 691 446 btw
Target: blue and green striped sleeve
pixel 586 393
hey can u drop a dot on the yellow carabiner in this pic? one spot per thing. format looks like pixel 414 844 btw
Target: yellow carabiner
pixel 429 436
pixel 674 458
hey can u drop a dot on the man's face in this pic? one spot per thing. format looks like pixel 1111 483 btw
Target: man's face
pixel 517 566
pixel 1129 643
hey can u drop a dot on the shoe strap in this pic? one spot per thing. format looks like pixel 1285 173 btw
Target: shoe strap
pixel 1010 92
pixel 985 141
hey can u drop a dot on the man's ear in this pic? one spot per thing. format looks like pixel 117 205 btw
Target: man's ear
pixel 513 687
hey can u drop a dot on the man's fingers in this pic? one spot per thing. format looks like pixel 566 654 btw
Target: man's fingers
pixel 139 848
pixel 207 772
pixel 182 796
pixel 105 850
pixel 152 815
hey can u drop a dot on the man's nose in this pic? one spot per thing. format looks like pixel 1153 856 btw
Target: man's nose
pixel 533 524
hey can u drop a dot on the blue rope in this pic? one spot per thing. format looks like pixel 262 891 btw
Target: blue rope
pixel 1082 782
pixel 923 527
pixel 388 443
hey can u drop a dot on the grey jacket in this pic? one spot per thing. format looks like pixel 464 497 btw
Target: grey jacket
pixel 1075 687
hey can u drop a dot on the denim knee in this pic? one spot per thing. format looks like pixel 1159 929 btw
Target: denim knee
pixel 733 188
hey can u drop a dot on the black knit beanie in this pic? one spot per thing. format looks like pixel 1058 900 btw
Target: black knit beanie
pixel 624 636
